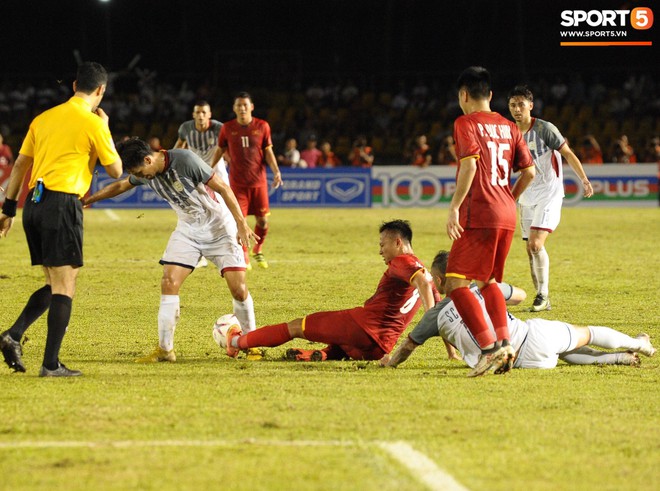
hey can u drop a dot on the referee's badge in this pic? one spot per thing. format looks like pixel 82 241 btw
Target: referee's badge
pixel 178 186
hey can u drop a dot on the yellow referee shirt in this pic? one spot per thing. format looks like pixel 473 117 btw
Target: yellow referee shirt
pixel 65 142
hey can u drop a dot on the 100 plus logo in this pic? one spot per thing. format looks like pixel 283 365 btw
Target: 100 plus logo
pixel 640 18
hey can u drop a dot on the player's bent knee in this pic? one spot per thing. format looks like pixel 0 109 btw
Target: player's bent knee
pixel 295 328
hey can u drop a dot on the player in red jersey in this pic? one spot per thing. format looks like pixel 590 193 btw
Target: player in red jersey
pixel 482 215
pixel 361 333
pixel 247 142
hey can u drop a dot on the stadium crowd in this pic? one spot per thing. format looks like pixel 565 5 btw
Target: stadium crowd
pixel 605 121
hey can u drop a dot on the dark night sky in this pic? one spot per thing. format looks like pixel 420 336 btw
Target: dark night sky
pixel 377 40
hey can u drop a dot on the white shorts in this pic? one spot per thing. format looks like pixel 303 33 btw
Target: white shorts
pixel 541 216
pixel 224 252
pixel 545 341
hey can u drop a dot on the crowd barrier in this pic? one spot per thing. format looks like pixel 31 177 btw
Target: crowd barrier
pixel 405 186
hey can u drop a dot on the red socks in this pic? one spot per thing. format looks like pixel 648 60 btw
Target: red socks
pixel 261 232
pixel 496 308
pixel 268 336
pixel 468 306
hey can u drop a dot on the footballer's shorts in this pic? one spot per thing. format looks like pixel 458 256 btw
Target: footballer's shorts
pixel 224 251
pixel 339 329
pixel 480 254
pixel 252 200
pixel 545 341
pixel 541 216
pixel 54 229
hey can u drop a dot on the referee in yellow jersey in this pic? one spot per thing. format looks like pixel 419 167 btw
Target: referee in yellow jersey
pixel 61 148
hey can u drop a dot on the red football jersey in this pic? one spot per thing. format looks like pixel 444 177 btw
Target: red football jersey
pixel 246 145
pixel 499 148
pixel 389 311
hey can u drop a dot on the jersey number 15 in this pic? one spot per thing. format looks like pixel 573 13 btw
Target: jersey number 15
pixel 497 159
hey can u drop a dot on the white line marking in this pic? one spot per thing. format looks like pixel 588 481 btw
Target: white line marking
pixel 111 214
pixel 421 467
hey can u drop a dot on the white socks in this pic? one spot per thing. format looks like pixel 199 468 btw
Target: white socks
pixel 244 312
pixel 168 316
pixel 606 337
pixel 541 270
pixel 589 356
pixel 531 269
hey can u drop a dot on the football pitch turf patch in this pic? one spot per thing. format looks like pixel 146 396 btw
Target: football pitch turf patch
pixel 574 427
pixel 420 467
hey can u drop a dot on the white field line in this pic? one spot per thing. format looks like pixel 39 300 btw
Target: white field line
pixel 111 214
pixel 419 465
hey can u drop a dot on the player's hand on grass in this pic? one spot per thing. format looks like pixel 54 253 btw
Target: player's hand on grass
pixel 383 362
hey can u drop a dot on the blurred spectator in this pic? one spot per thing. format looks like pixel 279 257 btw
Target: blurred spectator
pixel 558 91
pixel 589 151
pixel 652 150
pixel 361 155
pixel 6 155
pixel 349 93
pixel 421 153
pixel 311 154
pixel 446 152
pixel 400 100
pixel 328 158
pixel 623 152
pixel 154 143
pixel 291 155
pixel 576 90
pixel 619 105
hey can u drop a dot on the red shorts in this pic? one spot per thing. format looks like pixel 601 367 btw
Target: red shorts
pixel 480 254
pixel 339 330
pixel 252 200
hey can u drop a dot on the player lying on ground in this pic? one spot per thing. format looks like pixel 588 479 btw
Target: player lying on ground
pixel 204 228
pixel 538 343
pixel 361 333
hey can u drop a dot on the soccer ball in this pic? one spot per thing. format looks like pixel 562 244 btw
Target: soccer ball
pixel 221 327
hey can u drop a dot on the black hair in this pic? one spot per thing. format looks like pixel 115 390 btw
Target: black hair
pixel 440 261
pixel 400 227
pixel 476 81
pixel 202 102
pixel 243 95
pixel 132 153
pixel 90 76
pixel 521 91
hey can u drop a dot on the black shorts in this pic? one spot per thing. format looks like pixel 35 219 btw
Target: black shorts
pixel 54 229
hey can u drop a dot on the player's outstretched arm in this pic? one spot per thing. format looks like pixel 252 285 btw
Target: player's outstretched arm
pixel 245 233
pixel 576 165
pixel 401 354
pixel 21 167
pixel 110 191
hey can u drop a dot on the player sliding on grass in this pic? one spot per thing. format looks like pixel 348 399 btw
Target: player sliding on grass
pixel 204 228
pixel 538 343
pixel 361 333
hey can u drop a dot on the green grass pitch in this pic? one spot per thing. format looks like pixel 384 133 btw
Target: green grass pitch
pixel 210 422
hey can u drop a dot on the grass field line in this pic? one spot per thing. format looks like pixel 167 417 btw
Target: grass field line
pixel 112 215
pixel 420 466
